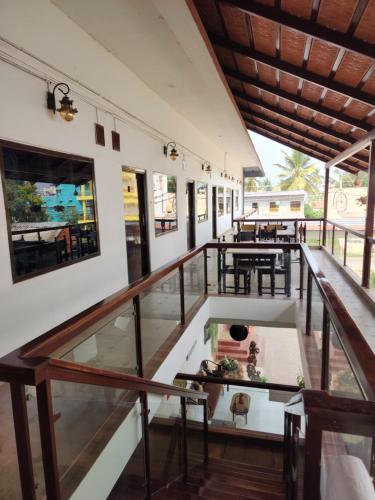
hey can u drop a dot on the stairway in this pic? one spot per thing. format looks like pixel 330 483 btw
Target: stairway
pixel 229 480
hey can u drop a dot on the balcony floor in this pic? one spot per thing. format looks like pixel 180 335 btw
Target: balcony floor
pixel 357 306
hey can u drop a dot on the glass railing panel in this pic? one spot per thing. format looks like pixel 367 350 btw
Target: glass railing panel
pixel 86 417
pixel 130 474
pixel 160 309
pixel 193 281
pixel 342 381
pixel 213 285
pixel 354 254
pixel 329 234
pixel 165 440
pixel 10 486
pixel 346 466
pixel 372 267
pixel 339 244
pixel 313 342
pixel 109 343
pixel 314 233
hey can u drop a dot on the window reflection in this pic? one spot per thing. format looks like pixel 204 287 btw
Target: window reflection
pixel 50 202
pixel 202 201
pixel 165 203
pixel 220 201
pixel 236 200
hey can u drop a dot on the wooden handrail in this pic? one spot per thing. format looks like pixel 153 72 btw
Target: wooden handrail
pixel 347 229
pixel 266 219
pixel 66 371
pixel 56 337
pixel 238 382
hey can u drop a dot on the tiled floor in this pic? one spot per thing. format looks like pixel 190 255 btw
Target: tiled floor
pixel 362 313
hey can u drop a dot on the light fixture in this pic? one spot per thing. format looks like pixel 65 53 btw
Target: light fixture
pixel 206 167
pixel 173 155
pixel 66 109
pixel 238 332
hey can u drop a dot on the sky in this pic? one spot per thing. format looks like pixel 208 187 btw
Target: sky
pixel 270 152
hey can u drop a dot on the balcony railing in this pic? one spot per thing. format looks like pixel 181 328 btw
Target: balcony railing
pixel 50 357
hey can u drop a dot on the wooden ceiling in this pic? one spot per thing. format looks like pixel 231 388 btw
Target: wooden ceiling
pixel 302 72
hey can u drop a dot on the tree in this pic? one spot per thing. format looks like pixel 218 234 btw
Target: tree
pixel 251 184
pixel 265 184
pixel 24 202
pixel 298 173
pixel 312 213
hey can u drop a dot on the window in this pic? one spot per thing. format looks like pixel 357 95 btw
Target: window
pixel 202 201
pixel 295 206
pixel 165 203
pixel 236 200
pixel 228 200
pixel 51 209
pixel 274 206
pixel 254 205
pixel 220 201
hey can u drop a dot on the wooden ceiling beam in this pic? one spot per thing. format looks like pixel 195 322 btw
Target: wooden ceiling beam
pixel 302 148
pixel 308 76
pixel 298 119
pixel 308 28
pixel 289 130
pixel 295 99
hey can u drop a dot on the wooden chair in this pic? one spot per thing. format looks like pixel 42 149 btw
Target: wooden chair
pixel 236 273
pixel 283 270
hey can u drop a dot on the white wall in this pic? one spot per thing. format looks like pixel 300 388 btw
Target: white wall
pixel 59 50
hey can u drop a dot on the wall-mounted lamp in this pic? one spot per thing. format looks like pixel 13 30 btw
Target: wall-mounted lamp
pixel 206 167
pixel 173 155
pixel 66 109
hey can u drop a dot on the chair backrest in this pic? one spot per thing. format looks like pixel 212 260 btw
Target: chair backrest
pixel 247 236
pixel 248 227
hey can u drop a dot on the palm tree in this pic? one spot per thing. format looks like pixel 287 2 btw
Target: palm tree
pixel 265 184
pixel 298 173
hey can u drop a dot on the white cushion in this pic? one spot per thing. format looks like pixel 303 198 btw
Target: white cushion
pixel 345 477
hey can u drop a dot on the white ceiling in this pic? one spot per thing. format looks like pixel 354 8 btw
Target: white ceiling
pixel 161 43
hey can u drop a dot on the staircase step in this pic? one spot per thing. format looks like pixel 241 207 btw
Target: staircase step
pixel 245 467
pixel 217 492
pixel 227 482
pixel 243 476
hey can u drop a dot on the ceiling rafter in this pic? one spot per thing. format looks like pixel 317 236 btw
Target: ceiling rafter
pixel 294 99
pixel 303 148
pixel 297 119
pixel 308 76
pixel 305 26
pixel 287 130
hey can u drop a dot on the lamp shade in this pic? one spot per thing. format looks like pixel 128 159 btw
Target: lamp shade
pixel 238 332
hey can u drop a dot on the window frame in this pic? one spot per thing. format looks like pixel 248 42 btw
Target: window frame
pixel 57 154
pixel 157 235
pixel 202 184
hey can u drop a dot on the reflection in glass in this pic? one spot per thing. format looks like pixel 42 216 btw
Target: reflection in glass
pixel 50 202
pixel 165 203
pixel 228 201
pixel 236 200
pixel 202 201
pixel 220 201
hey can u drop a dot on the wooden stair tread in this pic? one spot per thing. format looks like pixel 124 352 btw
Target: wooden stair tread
pixel 243 466
pixel 226 483
pixel 233 478
pixel 245 474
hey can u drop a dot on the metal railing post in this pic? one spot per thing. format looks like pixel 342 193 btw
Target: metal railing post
pixel 205 431
pixel 22 434
pixel 369 227
pixel 345 246
pixel 184 439
pixel 301 271
pixel 308 302
pixel 333 240
pixel 205 271
pixel 324 383
pixel 48 440
pixel 146 443
pixel 182 294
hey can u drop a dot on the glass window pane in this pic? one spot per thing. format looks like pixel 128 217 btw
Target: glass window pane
pixel 165 203
pixel 50 203
pixel 202 201
pixel 220 201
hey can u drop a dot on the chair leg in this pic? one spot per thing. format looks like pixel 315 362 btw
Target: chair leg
pixel 260 282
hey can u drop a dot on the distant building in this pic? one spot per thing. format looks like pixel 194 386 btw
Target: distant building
pixel 275 204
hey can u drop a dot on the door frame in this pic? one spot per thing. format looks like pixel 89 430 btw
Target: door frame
pixel 142 200
pixel 214 212
pixel 191 205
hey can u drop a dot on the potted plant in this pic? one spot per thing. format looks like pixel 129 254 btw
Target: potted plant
pixel 229 364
